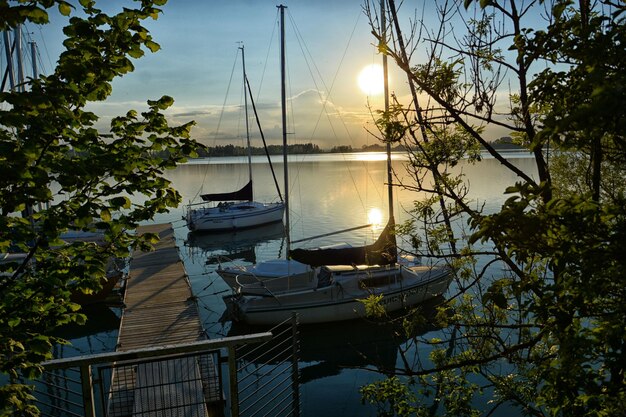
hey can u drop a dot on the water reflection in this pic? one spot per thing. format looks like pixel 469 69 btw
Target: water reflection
pixel 238 245
pixel 98 334
pixel 332 192
pixel 328 349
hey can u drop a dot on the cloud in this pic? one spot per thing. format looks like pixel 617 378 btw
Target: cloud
pixel 192 113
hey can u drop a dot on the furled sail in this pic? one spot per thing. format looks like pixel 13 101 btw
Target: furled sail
pixel 241 195
pixel 382 252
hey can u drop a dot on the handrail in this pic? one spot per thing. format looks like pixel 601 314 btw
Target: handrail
pixel 151 352
pixel 95 370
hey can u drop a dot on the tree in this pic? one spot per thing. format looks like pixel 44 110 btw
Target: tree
pixel 537 317
pixel 60 174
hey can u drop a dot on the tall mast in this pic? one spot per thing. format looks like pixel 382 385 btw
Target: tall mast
pixel 245 106
pixel 283 102
pixel 383 24
pixel 18 55
pixel 10 72
pixel 33 54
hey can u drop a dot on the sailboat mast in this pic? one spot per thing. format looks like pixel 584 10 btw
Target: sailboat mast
pixel 283 102
pixel 33 54
pixel 245 106
pixel 383 24
pixel 9 56
pixel 20 60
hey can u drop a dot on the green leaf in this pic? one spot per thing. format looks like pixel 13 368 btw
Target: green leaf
pixel 153 46
pixel 123 202
pixel 495 294
pixel 40 345
pixel 165 102
pixel 81 319
pixel 105 215
pixel 136 52
pixel 39 16
pixel 65 9
pixel 558 9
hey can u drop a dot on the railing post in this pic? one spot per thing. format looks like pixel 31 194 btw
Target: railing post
pixel 87 388
pixel 295 379
pixel 232 379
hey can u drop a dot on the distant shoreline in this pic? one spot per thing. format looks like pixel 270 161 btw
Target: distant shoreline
pixel 309 148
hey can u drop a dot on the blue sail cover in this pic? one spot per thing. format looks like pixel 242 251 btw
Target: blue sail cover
pixel 245 194
pixel 382 252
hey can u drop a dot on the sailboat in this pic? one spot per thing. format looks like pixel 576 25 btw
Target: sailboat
pixel 220 212
pixel 328 284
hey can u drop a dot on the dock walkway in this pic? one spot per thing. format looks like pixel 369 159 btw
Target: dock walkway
pixel 160 310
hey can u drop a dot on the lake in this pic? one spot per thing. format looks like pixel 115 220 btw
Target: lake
pixel 328 192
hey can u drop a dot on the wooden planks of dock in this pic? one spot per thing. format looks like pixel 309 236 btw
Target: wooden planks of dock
pixel 159 310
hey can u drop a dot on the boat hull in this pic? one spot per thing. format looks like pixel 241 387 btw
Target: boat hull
pixel 234 216
pixel 337 302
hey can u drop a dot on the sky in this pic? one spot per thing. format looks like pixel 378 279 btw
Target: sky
pixel 328 43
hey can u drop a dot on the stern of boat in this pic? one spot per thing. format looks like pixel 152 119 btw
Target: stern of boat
pixel 187 216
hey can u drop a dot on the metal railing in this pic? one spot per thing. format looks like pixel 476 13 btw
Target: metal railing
pixel 268 374
pixel 184 379
pixel 185 385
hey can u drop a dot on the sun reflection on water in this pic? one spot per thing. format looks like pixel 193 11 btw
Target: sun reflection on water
pixel 375 218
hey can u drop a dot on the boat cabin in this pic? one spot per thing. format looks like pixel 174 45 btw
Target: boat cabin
pixel 370 276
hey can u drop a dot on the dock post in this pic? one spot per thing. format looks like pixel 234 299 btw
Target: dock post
pixel 295 378
pixel 87 389
pixel 234 386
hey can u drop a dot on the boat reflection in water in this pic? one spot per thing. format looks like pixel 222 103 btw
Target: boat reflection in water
pixel 239 245
pixel 325 350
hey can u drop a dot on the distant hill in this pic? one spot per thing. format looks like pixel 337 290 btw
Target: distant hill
pixel 506 143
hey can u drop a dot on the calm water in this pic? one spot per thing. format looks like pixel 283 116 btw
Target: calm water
pixel 327 193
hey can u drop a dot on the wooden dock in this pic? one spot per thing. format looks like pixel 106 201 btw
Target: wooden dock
pixel 160 310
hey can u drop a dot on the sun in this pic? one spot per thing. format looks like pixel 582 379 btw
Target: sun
pixel 371 80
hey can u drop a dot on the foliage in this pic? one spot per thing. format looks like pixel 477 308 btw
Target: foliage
pixel 535 318
pixel 372 305
pixel 59 174
pixel 392 397
pixel 570 177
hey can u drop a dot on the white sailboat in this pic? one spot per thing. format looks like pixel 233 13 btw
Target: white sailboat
pixel 220 212
pixel 327 284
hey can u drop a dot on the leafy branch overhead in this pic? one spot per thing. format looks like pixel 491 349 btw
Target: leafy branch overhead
pixel 61 174
pixel 535 321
